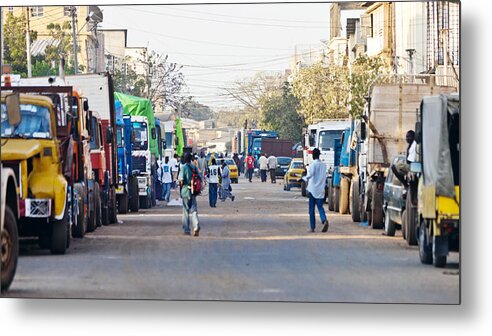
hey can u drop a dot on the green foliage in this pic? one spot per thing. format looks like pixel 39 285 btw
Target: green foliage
pixel 14 32
pixel 196 111
pixel 53 53
pixel 323 92
pixel 129 82
pixel 365 71
pixel 278 111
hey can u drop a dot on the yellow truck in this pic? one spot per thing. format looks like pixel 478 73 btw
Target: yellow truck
pixel 32 151
pixel 438 177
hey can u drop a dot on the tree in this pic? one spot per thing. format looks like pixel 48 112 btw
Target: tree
pixel 196 111
pixel 15 54
pixel 279 112
pixel 365 71
pixel 126 80
pixel 62 46
pixel 323 92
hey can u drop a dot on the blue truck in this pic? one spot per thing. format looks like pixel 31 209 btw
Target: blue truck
pixel 253 141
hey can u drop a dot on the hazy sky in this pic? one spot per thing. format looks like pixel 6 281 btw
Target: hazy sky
pixel 218 44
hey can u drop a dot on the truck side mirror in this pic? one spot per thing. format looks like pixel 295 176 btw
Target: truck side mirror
pixel 86 105
pixel 13 109
pixel 109 135
pixel 363 131
pixel 154 133
pixel 418 132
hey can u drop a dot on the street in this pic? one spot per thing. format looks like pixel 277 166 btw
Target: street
pixel 257 248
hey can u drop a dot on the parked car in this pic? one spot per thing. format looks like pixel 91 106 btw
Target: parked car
pixel 293 176
pixel 394 199
pixel 232 168
pixel 283 163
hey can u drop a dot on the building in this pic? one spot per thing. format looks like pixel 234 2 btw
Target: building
pixel 89 41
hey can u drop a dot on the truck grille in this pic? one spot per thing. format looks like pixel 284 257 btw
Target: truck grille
pixel 139 163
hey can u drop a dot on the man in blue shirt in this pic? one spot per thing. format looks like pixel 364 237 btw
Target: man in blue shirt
pixel 316 178
pixel 190 208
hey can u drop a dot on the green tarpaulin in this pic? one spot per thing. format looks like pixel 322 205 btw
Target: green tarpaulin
pixel 136 106
pixel 179 135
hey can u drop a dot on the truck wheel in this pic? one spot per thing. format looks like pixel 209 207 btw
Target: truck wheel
pixel 287 186
pixel 112 206
pixel 59 229
pixel 9 239
pixel 354 201
pixel 377 208
pixel 336 199
pixel 389 225
pixel 439 250
pixel 344 196
pixel 404 224
pixel 134 202
pixel 331 204
pixel 145 202
pixel 123 203
pixel 91 225
pixel 80 225
pixel 425 247
pixel 97 198
pixel 410 230
pixel 303 189
pixel 153 201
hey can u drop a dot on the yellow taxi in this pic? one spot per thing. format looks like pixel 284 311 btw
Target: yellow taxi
pixel 293 176
pixel 233 171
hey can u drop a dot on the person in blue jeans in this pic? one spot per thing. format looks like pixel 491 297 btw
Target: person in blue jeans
pixel 213 172
pixel 190 208
pixel 316 180
pixel 166 179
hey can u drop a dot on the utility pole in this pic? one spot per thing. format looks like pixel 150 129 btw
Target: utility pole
pixel 444 37
pixel 1 36
pixel 28 44
pixel 73 13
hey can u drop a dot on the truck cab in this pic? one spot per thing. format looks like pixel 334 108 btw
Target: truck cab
pixel 142 159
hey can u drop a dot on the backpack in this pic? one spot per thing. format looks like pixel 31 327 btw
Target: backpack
pixel 196 182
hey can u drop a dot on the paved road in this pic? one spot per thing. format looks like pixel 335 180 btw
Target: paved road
pixel 257 248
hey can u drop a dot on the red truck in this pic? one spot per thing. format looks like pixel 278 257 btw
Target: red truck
pixel 277 147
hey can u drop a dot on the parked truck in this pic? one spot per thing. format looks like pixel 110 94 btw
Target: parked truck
pixel 145 148
pixel 253 141
pixel 390 112
pixel 32 152
pixel 437 169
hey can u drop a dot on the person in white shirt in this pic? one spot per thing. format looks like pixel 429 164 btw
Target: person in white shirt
pixel 263 163
pixel 166 179
pixel 174 169
pixel 316 178
pixel 272 166
pixel 213 172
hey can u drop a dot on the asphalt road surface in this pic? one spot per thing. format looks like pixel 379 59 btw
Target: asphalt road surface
pixel 256 248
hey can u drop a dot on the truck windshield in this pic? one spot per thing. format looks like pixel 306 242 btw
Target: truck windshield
pixel 119 135
pixel 257 144
pixel 141 140
pixel 327 138
pixel 95 142
pixel 35 123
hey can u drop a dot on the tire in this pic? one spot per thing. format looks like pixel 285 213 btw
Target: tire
pixel 134 202
pixel 123 203
pixel 112 206
pixel 439 260
pixel 331 204
pixel 153 200
pixel 410 230
pixel 59 236
pixel 91 225
pixel 354 201
pixel 336 199
pixel 80 225
pixel 377 216
pixel 97 198
pixel 9 239
pixel 145 202
pixel 389 225
pixel 344 196
pixel 303 189
pixel 287 186
pixel 425 248
pixel 404 224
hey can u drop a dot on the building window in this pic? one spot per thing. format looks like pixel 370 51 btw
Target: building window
pixel 37 11
pixel 67 10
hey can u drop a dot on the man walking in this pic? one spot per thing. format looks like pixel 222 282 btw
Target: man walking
pixel 316 178
pixel 263 163
pixel 250 165
pixel 190 208
pixel 202 164
pixel 272 166
pixel 166 179
pixel 213 183
pixel 174 169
